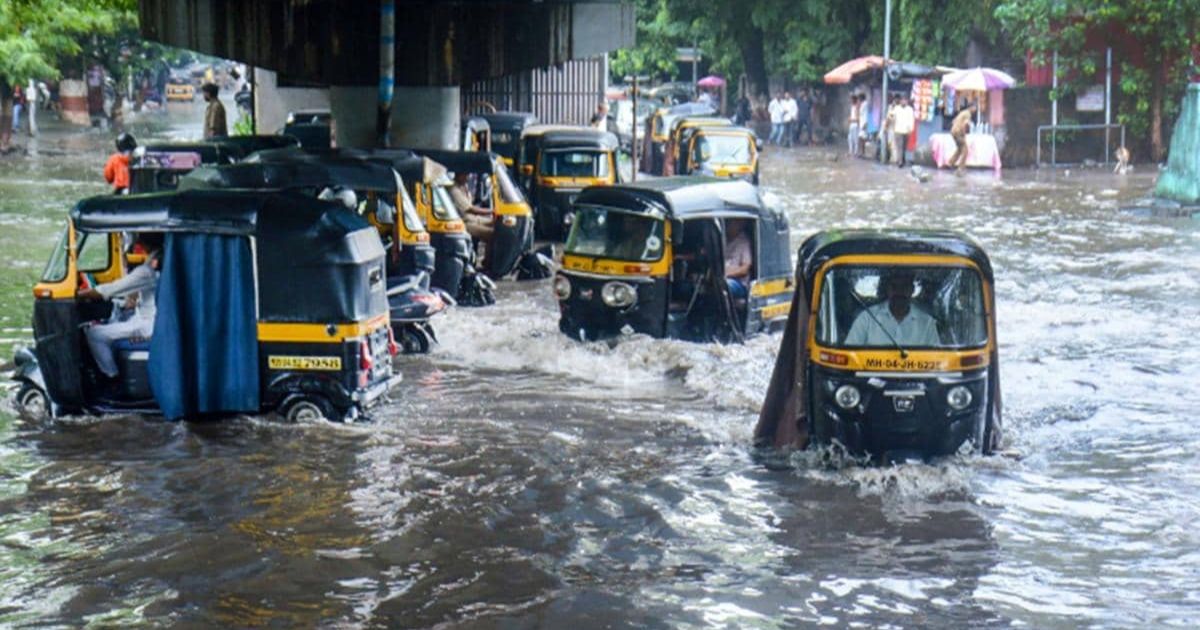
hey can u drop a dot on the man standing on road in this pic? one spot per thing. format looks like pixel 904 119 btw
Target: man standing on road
pixel 775 109
pixel 789 117
pixel 804 119
pixel 214 115
pixel 852 126
pixel 903 122
pixel 958 130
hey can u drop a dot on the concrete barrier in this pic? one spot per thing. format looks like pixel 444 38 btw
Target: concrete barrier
pixel 72 98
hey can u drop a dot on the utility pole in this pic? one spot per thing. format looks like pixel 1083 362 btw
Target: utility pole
pixel 887 56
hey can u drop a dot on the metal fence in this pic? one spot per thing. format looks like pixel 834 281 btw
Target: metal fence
pixel 566 94
pixel 1055 129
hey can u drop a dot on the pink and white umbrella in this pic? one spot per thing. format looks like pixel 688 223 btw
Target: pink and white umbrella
pixel 978 80
pixel 711 81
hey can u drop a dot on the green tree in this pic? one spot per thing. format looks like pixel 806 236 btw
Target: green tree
pixel 1163 31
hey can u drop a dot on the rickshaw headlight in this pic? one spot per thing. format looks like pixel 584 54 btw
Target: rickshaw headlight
pixel 618 294
pixel 847 397
pixel 509 220
pixel 562 287
pixel 958 397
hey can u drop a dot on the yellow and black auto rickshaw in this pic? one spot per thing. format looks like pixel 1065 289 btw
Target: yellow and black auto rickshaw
pixel 890 349
pixel 650 258
pixel 157 166
pixel 264 302
pixel 180 89
pixel 511 247
pixel 507 128
pixel 678 141
pixel 561 162
pixel 371 188
pixel 718 151
pixel 659 126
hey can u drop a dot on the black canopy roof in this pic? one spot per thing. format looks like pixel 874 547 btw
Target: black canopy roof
pixel 579 137
pixel 212 211
pixel 314 172
pixel 462 161
pixel 510 120
pixel 824 246
pixel 245 145
pixel 679 197
pixel 211 152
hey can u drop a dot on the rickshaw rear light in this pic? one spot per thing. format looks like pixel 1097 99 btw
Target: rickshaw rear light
pixel 393 348
pixel 508 220
pixel 365 362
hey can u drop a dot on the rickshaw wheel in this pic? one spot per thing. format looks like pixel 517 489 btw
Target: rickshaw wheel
pixel 307 410
pixel 414 340
pixel 32 401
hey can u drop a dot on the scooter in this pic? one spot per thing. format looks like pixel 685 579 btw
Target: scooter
pixel 412 303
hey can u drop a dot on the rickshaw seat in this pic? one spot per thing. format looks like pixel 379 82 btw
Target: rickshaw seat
pixel 131 345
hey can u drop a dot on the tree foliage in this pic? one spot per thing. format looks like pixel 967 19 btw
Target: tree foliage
pixel 36 35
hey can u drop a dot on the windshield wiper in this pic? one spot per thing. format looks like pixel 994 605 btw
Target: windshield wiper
pixel 903 352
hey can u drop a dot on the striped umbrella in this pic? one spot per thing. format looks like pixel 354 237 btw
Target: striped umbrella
pixel 978 80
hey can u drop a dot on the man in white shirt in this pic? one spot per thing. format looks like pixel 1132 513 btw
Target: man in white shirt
pixel 903 123
pixel 895 320
pixel 776 110
pixel 790 111
pixel 138 288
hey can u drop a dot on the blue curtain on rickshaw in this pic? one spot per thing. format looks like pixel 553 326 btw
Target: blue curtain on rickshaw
pixel 204 353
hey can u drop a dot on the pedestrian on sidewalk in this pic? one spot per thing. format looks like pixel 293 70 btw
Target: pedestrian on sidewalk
pixel 804 119
pixel 789 118
pixel 903 123
pixel 775 109
pixel 958 131
pixel 852 126
pixel 31 107
pixel 18 105
pixel 864 113
pixel 214 115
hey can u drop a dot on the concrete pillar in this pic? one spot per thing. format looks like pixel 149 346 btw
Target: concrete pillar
pixel 424 117
pixel 272 103
pixel 354 114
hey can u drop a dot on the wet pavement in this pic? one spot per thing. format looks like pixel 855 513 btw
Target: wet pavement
pixel 520 479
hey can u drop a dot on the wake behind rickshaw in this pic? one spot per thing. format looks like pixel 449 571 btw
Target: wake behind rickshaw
pixel 371 188
pixel 890 348
pixel 650 258
pixel 265 302
pixel 562 162
pixel 511 246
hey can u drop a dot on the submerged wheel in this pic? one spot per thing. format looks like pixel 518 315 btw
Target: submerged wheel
pixel 309 410
pixel 32 401
pixel 414 340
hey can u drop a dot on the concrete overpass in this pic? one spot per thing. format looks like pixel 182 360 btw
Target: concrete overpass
pixel 392 68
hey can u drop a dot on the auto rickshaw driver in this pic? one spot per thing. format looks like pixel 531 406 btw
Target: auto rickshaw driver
pixel 895 320
pixel 134 319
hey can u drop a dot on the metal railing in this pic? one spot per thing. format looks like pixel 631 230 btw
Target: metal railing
pixel 1054 129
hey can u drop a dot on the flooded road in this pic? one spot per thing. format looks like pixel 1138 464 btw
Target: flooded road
pixel 519 479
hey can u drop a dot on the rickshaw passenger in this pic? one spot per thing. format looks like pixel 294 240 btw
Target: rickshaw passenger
pixel 478 220
pixel 738 259
pixel 894 320
pixel 138 287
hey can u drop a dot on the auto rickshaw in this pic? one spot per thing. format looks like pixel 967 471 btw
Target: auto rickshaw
pixel 681 130
pixel 265 302
pixel 241 147
pixel 890 348
pixel 157 166
pixel 180 89
pixel 455 272
pixel 507 128
pixel 718 150
pixel 476 134
pixel 562 162
pixel 658 133
pixel 650 257
pixel 312 127
pixel 378 195
pixel 511 247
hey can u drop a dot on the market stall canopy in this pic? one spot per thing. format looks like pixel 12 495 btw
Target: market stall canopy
pixel 711 81
pixel 978 80
pixel 845 72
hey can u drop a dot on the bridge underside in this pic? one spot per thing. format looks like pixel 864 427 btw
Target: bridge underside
pixel 337 43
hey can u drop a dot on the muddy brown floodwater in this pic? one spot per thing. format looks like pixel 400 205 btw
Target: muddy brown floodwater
pixel 520 479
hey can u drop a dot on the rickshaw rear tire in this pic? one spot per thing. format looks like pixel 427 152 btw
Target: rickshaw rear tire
pixel 32 402
pixel 308 409
pixel 413 339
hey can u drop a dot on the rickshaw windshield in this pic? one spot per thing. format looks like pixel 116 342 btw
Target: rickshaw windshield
pixel 412 220
pixel 509 193
pixel 913 307
pixel 720 149
pixel 56 268
pixel 605 233
pixel 575 163
pixel 443 205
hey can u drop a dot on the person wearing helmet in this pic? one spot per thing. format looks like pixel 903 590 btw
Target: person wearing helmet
pixel 116 170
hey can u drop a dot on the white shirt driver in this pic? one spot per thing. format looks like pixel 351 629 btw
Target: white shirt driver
pixel 917 329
